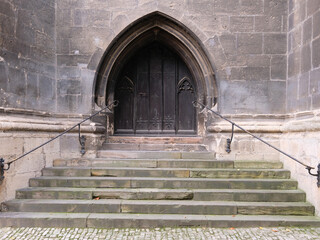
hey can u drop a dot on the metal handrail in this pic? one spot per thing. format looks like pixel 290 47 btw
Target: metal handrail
pixel 82 140
pixel 229 140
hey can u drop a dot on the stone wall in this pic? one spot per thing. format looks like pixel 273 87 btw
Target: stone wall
pixel 301 131
pixel 246 41
pixel 303 85
pixel 27 55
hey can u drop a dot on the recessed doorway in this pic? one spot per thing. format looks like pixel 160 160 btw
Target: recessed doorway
pixel 155 90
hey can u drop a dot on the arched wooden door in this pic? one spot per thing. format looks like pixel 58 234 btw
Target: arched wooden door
pixel 155 90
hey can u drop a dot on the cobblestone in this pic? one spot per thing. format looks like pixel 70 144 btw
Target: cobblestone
pixel 279 233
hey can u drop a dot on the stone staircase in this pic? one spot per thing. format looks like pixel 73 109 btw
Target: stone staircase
pixel 159 188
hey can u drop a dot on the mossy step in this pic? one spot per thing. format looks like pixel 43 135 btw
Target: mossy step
pixel 111 220
pixel 159 206
pixel 166 172
pixel 171 183
pixel 245 195
pixel 111 154
pixel 155 147
pixel 144 163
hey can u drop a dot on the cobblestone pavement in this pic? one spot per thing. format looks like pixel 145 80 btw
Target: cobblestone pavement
pixel 161 233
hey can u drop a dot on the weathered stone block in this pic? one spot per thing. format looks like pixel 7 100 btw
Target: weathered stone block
pixel 229 43
pixel 312 6
pixel 316 24
pixel 63 17
pixel 67 103
pixel 226 6
pixel 291 21
pixel 31 5
pixel 205 7
pixel 292 4
pixel 256 73
pixel 69 72
pixel 316 51
pixel 254 7
pixel 7 26
pixel 304 85
pixel 241 24
pixel 62 46
pixel 67 4
pixel 276 7
pixel 258 60
pixel 32 85
pixel 69 87
pixel 307 31
pixel 72 60
pixel 316 101
pixel 249 43
pixel 83 45
pixel 17 81
pixel 25 34
pixel 262 97
pixel 292 89
pixel 43 41
pixel 3 77
pixel 294 62
pixel 306 58
pixel 315 81
pixel 91 17
pixel 6 8
pixel 268 23
pixel 296 37
pixel 279 67
pixel 275 43
pixel 46 87
pixel 212 24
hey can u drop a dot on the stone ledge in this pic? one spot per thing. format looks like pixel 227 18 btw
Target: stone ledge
pixel 253 127
pixel 50 125
pixel 297 122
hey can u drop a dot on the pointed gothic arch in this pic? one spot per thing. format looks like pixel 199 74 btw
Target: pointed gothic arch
pixel 160 28
pixel 168 31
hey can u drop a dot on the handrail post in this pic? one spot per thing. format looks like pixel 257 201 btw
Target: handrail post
pixel 229 140
pixel 1 169
pixel 318 177
pixel 82 141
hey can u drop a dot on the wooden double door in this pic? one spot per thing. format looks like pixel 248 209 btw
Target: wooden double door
pixel 155 90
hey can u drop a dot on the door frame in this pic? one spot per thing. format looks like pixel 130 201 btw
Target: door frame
pixel 166 30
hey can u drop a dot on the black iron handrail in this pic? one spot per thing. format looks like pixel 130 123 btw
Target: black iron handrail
pixel 229 140
pixel 82 140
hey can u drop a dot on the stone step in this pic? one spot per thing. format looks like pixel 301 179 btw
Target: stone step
pixel 258 164
pixel 245 195
pixel 155 147
pixel 111 220
pixel 144 163
pixel 166 172
pixel 156 140
pixel 116 154
pixel 165 163
pixel 159 206
pixel 172 183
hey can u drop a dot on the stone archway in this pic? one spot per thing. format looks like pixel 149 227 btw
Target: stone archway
pixel 164 30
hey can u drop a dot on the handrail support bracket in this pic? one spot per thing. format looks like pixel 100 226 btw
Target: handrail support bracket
pixel 1 169
pixel 82 141
pixel 229 140
pixel 315 174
